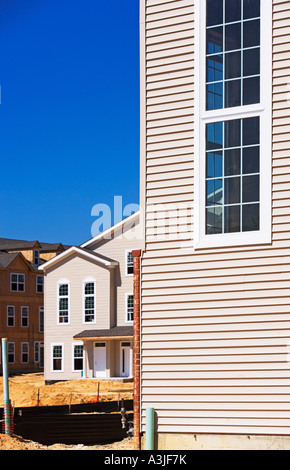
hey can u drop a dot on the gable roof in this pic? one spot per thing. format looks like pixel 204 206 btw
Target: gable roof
pixel 6 259
pixel 90 255
pixel 114 228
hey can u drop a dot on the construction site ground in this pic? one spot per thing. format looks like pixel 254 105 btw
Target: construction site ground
pixel 31 390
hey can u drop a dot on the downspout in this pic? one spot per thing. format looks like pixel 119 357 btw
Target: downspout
pixel 136 254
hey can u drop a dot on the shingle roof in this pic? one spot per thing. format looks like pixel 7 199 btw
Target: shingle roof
pixel 112 332
pixel 7 258
pixel 12 244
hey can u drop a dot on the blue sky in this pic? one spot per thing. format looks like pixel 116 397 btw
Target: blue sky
pixel 69 114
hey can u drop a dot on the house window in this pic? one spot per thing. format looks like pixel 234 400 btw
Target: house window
pixel 63 303
pixel 129 263
pixel 89 302
pixel 57 357
pixel 25 316
pixel 11 353
pixel 233 176
pixel 41 319
pixel 39 284
pixel 24 353
pixel 17 282
pixel 78 352
pixel 232 53
pixel 233 137
pixel 129 307
pixel 36 257
pixel 10 315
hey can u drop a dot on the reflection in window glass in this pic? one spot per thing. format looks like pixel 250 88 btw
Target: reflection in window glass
pixel 232 53
pixel 232 176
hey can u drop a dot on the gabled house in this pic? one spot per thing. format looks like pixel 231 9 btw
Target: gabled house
pixel 89 307
pixel 215 169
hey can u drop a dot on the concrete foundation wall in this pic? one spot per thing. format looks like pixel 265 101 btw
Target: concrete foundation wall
pixel 172 441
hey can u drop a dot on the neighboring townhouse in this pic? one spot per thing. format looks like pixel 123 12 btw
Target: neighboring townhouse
pixel 215 171
pixel 21 300
pixel 89 307
pixel 21 312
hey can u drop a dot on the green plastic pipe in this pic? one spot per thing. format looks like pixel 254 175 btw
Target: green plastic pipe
pixel 149 429
pixel 7 418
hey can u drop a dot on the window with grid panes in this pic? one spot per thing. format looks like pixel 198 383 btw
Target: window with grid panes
pixel 89 302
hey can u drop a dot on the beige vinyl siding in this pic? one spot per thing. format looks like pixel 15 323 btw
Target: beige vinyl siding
pixel 215 322
pixel 75 271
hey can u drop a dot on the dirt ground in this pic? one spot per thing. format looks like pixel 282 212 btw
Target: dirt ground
pixel 30 390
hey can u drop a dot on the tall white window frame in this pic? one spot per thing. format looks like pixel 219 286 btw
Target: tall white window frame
pixel 129 265
pixel 63 302
pixel 129 307
pixel 25 353
pixel 89 301
pixel 57 357
pixel 203 117
pixel 25 316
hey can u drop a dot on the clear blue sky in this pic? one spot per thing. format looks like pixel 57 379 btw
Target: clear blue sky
pixel 69 114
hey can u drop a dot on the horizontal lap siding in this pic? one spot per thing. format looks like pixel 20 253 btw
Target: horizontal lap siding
pixel 215 323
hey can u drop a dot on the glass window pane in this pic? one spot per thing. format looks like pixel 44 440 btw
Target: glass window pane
pixel 214 12
pixel 214 220
pixel 214 165
pixel 63 289
pixel 214 68
pixel 214 192
pixel 232 219
pixel 232 190
pixel 214 136
pixel 214 96
pixel 232 93
pixel 232 65
pixel 232 162
pixel 233 10
pixel 251 62
pixel 251 33
pixel 251 9
pixel 233 133
pixel 233 36
pixel 251 90
pixel 251 217
pixel 251 131
pixel 251 160
pixel 214 40
pixel 251 188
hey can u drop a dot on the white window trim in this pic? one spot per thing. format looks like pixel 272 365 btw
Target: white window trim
pixel 59 283
pixel 202 117
pixel 17 274
pixel 10 306
pixel 130 357
pixel 76 343
pixel 10 343
pixel 126 263
pixel 22 344
pixel 62 357
pixel 22 307
pixel 39 284
pixel 126 307
pixel 85 281
pixel 40 312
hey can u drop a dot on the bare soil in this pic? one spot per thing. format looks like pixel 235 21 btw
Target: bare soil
pixel 30 390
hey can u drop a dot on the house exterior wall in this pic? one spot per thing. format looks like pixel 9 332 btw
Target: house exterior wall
pixel 215 322
pixel 18 334
pixel 75 271
pixel 116 248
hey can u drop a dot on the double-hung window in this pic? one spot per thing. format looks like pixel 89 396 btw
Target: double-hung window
pixel 89 302
pixel 63 302
pixel 233 123
pixel 129 307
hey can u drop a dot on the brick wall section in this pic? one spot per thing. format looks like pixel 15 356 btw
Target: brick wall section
pixel 136 346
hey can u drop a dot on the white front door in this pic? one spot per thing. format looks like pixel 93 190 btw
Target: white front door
pixel 100 360
pixel 125 359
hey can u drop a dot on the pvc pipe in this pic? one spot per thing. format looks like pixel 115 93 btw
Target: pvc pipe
pixel 7 420
pixel 149 429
